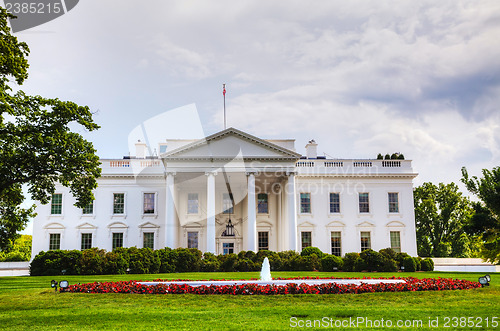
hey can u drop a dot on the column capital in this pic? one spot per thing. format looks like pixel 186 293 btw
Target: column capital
pixel 290 173
pixel 248 173
pixel 208 173
pixel 170 173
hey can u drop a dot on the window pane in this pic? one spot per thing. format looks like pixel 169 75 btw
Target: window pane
pixel 118 203
pixel 262 206
pixel 149 203
pixel 56 204
pixel 55 241
pixel 306 239
pixel 305 203
pixel 263 241
pixel 88 209
pixel 86 241
pixel 336 243
pixel 396 241
pixel 228 203
pixel 149 240
pixel 227 248
pixel 364 203
pixel 193 203
pixel 192 239
pixel 393 203
pixel 365 241
pixel 334 203
pixel 117 240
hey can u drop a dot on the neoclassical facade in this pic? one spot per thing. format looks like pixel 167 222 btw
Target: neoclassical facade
pixel 233 191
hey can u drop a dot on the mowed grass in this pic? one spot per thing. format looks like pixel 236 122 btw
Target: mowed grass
pixel 30 303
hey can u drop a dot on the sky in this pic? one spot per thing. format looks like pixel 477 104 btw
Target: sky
pixel 361 78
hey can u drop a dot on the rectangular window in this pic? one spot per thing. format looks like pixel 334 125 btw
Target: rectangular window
pixel 263 241
pixel 306 239
pixel 336 238
pixel 88 209
pixel 148 240
pixel 193 203
pixel 305 203
pixel 393 203
pixel 396 241
pixel 56 204
pixel 55 241
pixel 227 202
pixel 117 240
pixel 364 203
pixel 365 241
pixel 262 203
pixel 334 203
pixel 192 239
pixel 118 203
pixel 86 241
pixel 149 203
pixel 227 248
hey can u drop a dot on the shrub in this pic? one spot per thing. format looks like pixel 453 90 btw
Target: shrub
pixel 209 262
pixel 360 265
pixel 312 250
pixel 287 257
pixel 409 264
pixel 328 262
pixel 350 261
pixel 427 264
pixel 115 263
pixel 188 260
pixel 56 262
pixel 400 257
pixel 228 262
pixel 387 157
pixel 92 261
pixel 418 262
pixel 389 265
pixel 401 157
pixel 143 261
pixel 14 256
pixel 244 265
pixel 388 253
pixel 379 156
pixel 373 260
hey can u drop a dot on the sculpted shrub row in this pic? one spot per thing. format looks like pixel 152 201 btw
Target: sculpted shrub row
pixel 144 260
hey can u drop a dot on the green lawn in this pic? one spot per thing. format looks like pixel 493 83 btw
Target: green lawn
pixel 30 303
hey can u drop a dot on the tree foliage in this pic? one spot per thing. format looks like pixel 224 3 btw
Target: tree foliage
pixel 37 147
pixel 486 221
pixel 440 215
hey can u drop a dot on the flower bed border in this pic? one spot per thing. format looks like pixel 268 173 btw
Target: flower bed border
pixel 412 284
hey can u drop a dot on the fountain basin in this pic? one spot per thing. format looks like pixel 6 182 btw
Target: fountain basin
pixel 277 282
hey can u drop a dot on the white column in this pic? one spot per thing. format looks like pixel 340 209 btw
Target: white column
pixel 211 211
pixel 292 212
pixel 170 228
pixel 252 215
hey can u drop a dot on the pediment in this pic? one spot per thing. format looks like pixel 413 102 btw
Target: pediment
pixel 193 225
pixel 395 224
pixel 148 225
pixel 86 226
pixel 365 224
pixel 117 225
pixel 54 226
pixel 335 224
pixel 306 224
pixel 231 144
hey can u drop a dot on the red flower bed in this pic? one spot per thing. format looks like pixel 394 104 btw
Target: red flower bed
pixel 412 284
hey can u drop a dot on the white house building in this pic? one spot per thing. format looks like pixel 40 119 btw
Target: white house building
pixel 233 191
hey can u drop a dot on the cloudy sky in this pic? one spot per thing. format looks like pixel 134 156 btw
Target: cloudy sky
pixel 361 78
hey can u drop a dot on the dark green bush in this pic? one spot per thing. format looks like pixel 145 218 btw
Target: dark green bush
pixel 418 262
pixel 188 260
pixel 143 261
pixel 92 262
pixel 350 261
pixel 56 262
pixel 228 262
pixel 388 253
pixel 115 263
pixel 373 260
pixel 209 262
pixel 328 262
pixel 409 264
pixel 312 250
pixel 168 259
pixel 389 265
pixel 427 264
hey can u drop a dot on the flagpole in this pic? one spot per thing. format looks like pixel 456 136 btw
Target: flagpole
pixel 224 93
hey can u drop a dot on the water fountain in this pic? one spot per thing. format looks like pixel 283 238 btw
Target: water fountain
pixel 265 272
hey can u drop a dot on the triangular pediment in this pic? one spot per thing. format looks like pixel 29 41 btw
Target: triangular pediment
pixel 86 226
pixel 231 144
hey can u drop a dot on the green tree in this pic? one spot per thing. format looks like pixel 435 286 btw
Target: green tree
pixel 486 221
pixel 37 147
pixel 440 215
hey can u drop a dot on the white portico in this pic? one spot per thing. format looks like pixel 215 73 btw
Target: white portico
pixel 212 191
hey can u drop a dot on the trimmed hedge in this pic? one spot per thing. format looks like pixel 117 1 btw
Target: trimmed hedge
pixel 134 260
